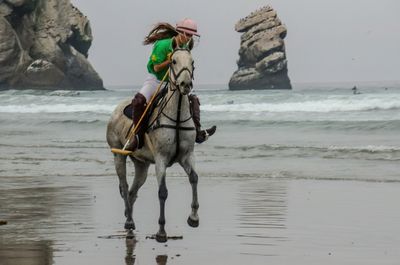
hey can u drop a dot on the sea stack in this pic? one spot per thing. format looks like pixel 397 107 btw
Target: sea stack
pixel 262 58
pixel 44 44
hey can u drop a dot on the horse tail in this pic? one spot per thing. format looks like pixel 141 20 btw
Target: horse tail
pixel 160 31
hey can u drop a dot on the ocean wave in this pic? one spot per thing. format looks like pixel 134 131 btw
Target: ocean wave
pixel 64 93
pixel 77 145
pixel 77 122
pixel 370 152
pixel 351 124
pixel 221 102
pixel 368 149
pixel 328 105
pixel 58 108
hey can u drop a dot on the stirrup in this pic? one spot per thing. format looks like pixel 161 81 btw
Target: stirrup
pixel 206 135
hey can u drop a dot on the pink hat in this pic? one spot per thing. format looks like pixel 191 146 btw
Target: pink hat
pixel 187 26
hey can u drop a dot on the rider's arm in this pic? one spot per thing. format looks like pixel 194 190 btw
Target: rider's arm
pixel 161 55
pixel 161 66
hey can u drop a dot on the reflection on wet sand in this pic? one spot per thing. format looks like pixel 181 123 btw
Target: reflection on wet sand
pixel 244 221
pixel 262 216
pixel 41 212
pixel 38 214
pixel 161 259
pixel 34 253
pixel 130 257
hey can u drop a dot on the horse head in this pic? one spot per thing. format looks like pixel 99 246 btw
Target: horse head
pixel 181 70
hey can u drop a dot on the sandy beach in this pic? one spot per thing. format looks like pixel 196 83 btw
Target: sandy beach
pixel 242 221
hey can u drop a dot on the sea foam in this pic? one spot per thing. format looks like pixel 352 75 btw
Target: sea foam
pixel 58 108
pixel 327 105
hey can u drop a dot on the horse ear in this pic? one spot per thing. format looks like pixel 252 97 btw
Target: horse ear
pixel 174 44
pixel 191 44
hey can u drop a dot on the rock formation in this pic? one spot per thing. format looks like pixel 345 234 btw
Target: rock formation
pixel 44 44
pixel 262 59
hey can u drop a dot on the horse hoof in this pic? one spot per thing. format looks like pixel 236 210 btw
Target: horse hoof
pixel 193 223
pixel 130 225
pixel 161 237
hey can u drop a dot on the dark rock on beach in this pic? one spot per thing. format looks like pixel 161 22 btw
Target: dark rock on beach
pixel 44 44
pixel 262 58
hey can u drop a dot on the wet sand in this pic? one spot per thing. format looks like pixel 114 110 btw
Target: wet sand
pixel 79 220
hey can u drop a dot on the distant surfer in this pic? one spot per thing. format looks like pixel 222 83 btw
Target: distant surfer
pixel 355 91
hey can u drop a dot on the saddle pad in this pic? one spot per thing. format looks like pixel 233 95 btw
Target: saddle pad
pixel 128 110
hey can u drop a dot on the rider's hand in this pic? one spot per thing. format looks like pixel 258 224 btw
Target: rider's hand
pixel 169 58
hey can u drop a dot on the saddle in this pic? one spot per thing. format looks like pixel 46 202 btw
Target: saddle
pixel 128 110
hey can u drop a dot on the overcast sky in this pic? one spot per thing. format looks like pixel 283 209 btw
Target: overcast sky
pixel 328 40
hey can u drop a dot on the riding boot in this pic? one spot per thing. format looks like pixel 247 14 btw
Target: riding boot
pixel 138 107
pixel 201 135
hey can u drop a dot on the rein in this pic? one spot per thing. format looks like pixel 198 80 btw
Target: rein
pixel 156 124
pixel 176 75
pixel 176 127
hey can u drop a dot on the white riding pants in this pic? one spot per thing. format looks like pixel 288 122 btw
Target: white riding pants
pixel 149 87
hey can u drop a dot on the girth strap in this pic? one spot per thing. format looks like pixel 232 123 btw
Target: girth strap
pixel 158 126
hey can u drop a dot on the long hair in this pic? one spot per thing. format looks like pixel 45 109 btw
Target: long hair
pixel 160 31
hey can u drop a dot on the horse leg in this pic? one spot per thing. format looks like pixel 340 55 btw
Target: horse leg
pixel 140 178
pixel 120 167
pixel 161 235
pixel 188 166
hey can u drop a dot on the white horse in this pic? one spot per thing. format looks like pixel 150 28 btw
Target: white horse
pixel 170 139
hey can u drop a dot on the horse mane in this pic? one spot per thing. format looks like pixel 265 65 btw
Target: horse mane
pixel 190 44
pixel 160 31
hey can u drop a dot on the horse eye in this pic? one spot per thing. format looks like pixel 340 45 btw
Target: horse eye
pixel 174 61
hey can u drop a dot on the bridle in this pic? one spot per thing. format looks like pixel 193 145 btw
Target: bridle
pixel 173 87
pixel 175 75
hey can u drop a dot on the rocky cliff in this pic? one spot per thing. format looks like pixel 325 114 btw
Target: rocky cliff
pixel 262 59
pixel 44 44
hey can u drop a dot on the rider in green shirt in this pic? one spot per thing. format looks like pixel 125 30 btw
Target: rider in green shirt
pixel 161 52
pixel 163 35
